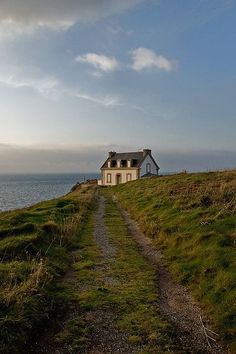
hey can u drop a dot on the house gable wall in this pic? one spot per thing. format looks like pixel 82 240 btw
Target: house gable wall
pixel 143 167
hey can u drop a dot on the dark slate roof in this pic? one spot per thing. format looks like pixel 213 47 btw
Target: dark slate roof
pixel 138 155
pixel 125 156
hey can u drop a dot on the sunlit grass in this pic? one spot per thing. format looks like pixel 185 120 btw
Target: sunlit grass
pixel 192 219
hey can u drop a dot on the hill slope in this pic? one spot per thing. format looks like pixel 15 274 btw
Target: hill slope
pixel 34 252
pixel 192 219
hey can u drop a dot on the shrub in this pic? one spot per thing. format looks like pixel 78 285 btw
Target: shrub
pixel 206 201
pixel 25 228
pixel 50 228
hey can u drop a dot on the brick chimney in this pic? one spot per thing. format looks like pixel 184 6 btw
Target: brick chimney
pixel 111 153
pixel 146 152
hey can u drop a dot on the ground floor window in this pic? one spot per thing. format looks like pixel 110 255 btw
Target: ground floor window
pixel 108 177
pixel 128 177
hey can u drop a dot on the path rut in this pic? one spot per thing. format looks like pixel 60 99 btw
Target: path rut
pixel 175 302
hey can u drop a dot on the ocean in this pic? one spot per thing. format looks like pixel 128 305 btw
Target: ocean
pixel 18 190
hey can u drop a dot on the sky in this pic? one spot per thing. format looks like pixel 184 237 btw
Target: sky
pixel 79 78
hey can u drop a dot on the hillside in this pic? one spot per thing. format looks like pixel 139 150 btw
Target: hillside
pixel 192 219
pixel 78 275
pixel 35 251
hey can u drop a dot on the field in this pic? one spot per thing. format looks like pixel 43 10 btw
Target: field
pixel 70 267
pixel 192 219
pixel 35 246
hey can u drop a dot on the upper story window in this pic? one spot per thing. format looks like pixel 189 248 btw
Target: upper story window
pixel 123 163
pixel 134 162
pixel 108 177
pixel 113 163
pixel 148 168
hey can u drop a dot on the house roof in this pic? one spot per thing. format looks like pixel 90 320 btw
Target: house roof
pixel 137 155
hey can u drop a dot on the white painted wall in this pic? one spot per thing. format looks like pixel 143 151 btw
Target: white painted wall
pixel 122 172
pixel 143 170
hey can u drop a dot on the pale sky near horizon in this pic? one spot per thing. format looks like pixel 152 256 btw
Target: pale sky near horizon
pixel 81 77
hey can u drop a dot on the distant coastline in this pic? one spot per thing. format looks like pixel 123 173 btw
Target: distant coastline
pixel 23 190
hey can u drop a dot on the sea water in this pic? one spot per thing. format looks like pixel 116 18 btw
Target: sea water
pixel 18 190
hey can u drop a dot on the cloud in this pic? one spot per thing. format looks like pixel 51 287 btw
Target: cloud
pixel 99 61
pixel 81 158
pixel 52 88
pixel 144 58
pixel 47 87
pixel 60 13
pixel 106 101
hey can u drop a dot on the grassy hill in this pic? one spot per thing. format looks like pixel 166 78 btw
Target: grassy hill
pixel 192 219
pixel 34 254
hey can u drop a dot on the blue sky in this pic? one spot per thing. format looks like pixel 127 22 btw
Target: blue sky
pixel 78 78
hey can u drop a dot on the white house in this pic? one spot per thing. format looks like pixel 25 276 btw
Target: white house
pixel 127 166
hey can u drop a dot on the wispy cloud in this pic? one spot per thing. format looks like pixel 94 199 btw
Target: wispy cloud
pixel 118 30
pixel 99 61
pixel 48 87
pixel 144 58
pixel 52 88
pixel 106 101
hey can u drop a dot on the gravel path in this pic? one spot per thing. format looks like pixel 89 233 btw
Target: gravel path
pixel 106 338
pixel 175 302
pixel 108 251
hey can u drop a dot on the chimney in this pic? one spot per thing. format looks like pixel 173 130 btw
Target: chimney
pixel 146 152
pixel 111 153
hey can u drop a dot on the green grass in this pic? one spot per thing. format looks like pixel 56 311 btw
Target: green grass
pixel 192 219
pixel 126 286
pixel 35 251
pixel 136 296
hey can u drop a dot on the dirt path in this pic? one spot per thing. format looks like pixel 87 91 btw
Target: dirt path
pixel 111 280
pixel 175 302
pixel 106 338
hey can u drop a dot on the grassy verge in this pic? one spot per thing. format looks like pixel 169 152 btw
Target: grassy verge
pixel 192 218
pixel 34 253
pixel 126 285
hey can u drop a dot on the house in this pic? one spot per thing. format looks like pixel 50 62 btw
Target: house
pixel 127 166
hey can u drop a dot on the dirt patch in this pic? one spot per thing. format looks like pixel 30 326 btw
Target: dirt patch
pixel 175 302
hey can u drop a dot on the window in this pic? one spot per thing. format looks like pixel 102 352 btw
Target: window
pixel 128 177
pixel 123 163
pixel 109 178
pixel 148 168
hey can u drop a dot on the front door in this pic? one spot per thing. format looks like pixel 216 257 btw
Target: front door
pixel 118 179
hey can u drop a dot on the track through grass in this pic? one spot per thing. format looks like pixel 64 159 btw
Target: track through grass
pixel 117 294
